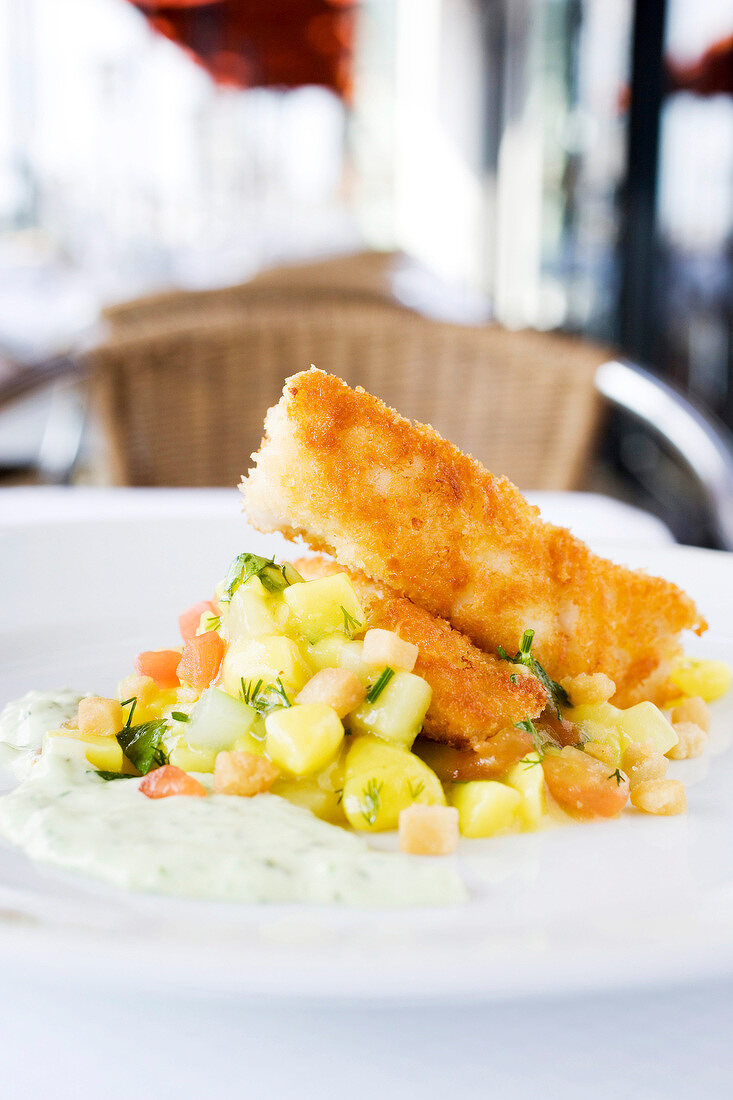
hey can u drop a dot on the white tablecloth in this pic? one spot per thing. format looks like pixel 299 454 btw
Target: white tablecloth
pixel 71 1044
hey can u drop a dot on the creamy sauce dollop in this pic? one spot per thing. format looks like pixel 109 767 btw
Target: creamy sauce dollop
pixel 25 722
pixel 261 849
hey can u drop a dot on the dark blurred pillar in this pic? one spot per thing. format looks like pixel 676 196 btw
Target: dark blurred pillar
pixel 638 241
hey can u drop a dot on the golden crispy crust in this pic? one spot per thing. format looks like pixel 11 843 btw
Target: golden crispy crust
pixel 473 695
pixel 395 500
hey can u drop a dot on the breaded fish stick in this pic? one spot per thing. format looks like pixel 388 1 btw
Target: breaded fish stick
pixel 398 502
pixel 474 695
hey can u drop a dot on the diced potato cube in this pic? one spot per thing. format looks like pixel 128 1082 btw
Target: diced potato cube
pixel 182 756
pixel 102 752
pixel 645 725
pixel 249 613
pixel 302 739
pixel 428 830
pixel 385 648
pixel 336 687
pixel 268 659
pixel 254 741
pixel 326 653
pixel 708 679
pixel 241 773
pixel 527 777
pixel 151 700
pixel 486 807
pixel 381 780
pixel 398 712
pixel 694 709
pixel 352 658
pixel 100 716
pixel 217 720
pixel 325 605
pixel 322 794
pixel 604 715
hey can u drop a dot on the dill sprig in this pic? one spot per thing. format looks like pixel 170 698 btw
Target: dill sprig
pixel 131 703
pixel 278 689
pixel 415 789
pixel 212 622
pixel 352 626
pixel 372 800
pixel 555 691
pixel 251 694
pixel 379 684
pixel 529 727
pixel 617 775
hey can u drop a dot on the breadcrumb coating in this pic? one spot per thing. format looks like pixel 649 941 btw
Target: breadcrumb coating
pixel 473 694
pixel 396 501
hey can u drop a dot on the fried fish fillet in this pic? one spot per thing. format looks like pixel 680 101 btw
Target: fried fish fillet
pixel 473 693
pixel 398 502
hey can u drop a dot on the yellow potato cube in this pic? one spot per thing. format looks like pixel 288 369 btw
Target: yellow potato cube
pixel 151 700
pixel 646 726
pixel 486 807
pixel 336 687
pixel 302 739
pixel 268 659
pixel 386 649
pixel 708 679
pixel 325 605
pixel 249 614
pixel 382 779
pixel 100 716
pixel 322 794
pixel 428 830
pixel 190 759
pixel 398 712
pixel 243 774
pixel 102 752
pixel 527 777
pixel 351 657
pixel 326 653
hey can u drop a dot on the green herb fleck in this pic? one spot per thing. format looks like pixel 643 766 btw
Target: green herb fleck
pixel 529 763
pixel 617 775
pixel 212 622
pixel 131 703
pixel 379 685
pixel 415 789
pixel 529 727
pixel 352 626
pixel 251 694
pixel 279 691
pixel 179 716
pixel 245 566
pixel 372 801
pixel 556 692
pixel 340 793
pixel 142 745
pixel 513 678
pixel 109 776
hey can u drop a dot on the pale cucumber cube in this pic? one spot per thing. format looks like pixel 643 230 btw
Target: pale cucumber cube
pixel 486 807
pixel 398 712
pixel 645 725
pixel 102 752
pixel 217 720
pixel 527 777
pixel 303 739
pixel 324 606
pixel 382 779
pixel 268 659
pixel 327 652
pixel 191 760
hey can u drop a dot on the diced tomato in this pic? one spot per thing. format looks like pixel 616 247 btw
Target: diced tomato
pixel 201 660
pixel 189 620
pixel 160 665
pixel 583 785
pixel 168 780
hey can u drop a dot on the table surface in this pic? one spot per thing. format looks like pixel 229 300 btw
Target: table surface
pixel 65 1043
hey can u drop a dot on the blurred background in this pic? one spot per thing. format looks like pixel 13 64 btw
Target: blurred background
pixel 468 206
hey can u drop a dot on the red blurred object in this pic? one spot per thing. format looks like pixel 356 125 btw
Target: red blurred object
pixel 262 43
pixel 711 74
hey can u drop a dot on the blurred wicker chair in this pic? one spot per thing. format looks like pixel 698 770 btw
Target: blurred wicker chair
pixel 183 390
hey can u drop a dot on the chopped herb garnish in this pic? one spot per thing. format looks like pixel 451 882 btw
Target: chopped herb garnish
pixel 340 793
pixel 142 745
pixel 415 789
pixel 251 694
pixel 617 776
pixel 556 692
pixel 131 703
pixel 529 727
pixel 109 776
pixel 245 566
pixel 352 626
pixel 379 685
pixel 278 689
pixel 372 801
pixel 528 763
pixel 179 716
pixel 513 678
pixel 212 622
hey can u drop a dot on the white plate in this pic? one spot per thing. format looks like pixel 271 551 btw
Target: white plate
pixel 638 901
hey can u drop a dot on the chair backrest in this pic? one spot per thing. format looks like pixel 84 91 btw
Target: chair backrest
pixel 184 400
